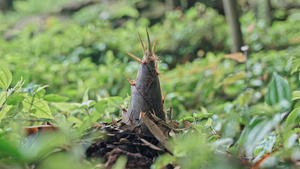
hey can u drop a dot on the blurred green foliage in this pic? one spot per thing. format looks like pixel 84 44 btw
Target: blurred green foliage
pixel 247 109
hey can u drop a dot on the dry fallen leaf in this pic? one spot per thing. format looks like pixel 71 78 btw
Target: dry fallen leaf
pixel 156 131
pixel 239 56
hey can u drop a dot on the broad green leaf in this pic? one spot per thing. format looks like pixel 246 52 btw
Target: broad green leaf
pixel 188 118
pixel 101 106
pixel 209 122
pixel 64 106
pixel 8 150
pixel 163 160
pixel 39 94
pixel 200 116
pixel 295 95
pixel 121 162
pixel 245 97
pixel 113 103
pixel 95 116
pixel 38 89
pixel 72 119
pixel 292 117
pixel 287 134
pixel 2 98
pixel 266 145
pixel 295 64
pixel 85 95
pixel 55 98
pixel 88 104
pixel 279 92
pixel 38 108
pixel 42 145
pixel 233 78
pixel 4 111
pixel 5 77
pixel 15 99
pixel 259 131
pixel 204 110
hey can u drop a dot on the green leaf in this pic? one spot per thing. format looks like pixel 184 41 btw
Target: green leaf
pixel 279 92
pixel 39 94
pixel 2 98
pixel 121 162
pixel 162 160
pixel 5 77
pixel 101 106
pixel 188 118
pixel 245 97
pixel 65 106
pixel 55 98
pixel 200 116
pixel 7 150
pixel 209 122
pixel 259 131
pixel 38 108
pixel 4 111
pixel 233 78
pixel 38 89
pixel 295 64
pixel 204 110
pixel 88 104
pixel 15 99
pixel 85 95
pixel 113 103
pixel 295 95
pixel 292 117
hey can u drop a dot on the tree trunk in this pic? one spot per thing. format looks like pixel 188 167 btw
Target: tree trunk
pixel 268 12
pixel 6 5
pixel 232 18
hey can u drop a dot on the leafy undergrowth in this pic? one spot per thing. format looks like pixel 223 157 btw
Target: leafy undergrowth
pixel 227 111
pixel 237 134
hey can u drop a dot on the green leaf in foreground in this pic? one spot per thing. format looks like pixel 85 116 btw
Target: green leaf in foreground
pixel 7 150
pixel 2 98
pixel 4 111
pixel 55 98
pixel 295 64
pixel 101 106
pixel 209 122
pixel 279 92
pixel 65 106
pixel 233 78
pixel 38 108
pixel 120 163
pixel 292 117
pixel 15 99
pixel 295 95
pixel 5 77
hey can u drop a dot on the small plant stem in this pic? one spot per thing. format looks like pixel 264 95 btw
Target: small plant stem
pixel 247 67
pixel 28 112
pixel 280 135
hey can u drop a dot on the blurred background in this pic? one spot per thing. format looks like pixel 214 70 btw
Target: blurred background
pixel 75 45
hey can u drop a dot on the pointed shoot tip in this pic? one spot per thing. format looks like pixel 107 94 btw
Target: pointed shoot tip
pixel 149 43
pixel 153 48
pixel 134 57
pixel 142 43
